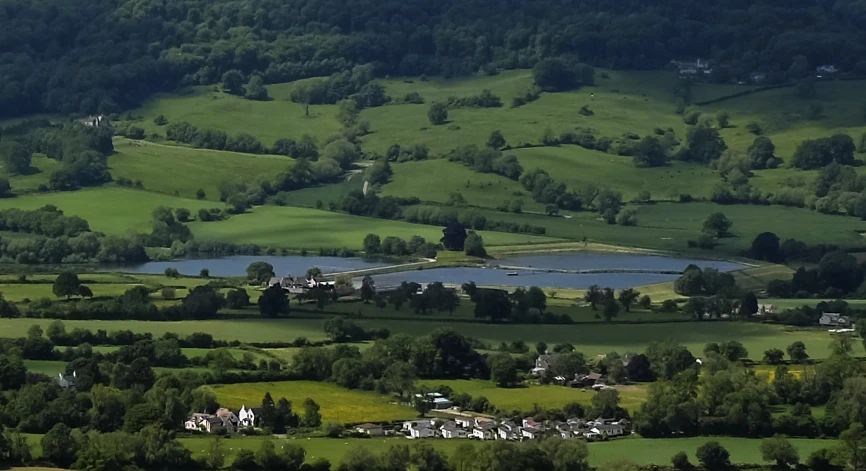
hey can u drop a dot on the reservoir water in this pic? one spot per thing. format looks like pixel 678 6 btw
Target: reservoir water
pixel 627 269
pixel 237 265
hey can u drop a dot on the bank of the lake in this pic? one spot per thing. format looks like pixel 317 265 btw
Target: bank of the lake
pixel 575 270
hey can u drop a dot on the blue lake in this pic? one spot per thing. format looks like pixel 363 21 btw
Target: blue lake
pixel 489 276
pixel 298 265
pixel 612 261
pixel 641 264
pixel 237 265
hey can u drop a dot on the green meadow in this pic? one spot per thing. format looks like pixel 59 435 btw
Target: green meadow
pixel 591 339
pixel 270 120
pixel 669 226
pixel 41 168
pixel 183 170
pixel 626 102
pixel 111 209
pixel 643 451
pixel 545 397
pixel 293 227
pixel 435 180
pixel 337 404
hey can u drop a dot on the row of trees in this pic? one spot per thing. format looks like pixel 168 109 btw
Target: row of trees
pixel 391 245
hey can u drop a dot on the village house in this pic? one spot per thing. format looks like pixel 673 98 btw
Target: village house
pixel 95 121
pixel 249 417
pixel 530 422
pixel 373 430
pixel 485 430
pixel 419 429
pixel 542 364
pixel 464 421
pixel 508 430
pixel 437 400
pixel 609 427
pixel 300 284
pixel 826 69
pixel 692 68
pixel 223 421
pixel 194 423
pixel 531 433
pixel 450 429
pixel 834 319
pixel 66 381
pixel 587 381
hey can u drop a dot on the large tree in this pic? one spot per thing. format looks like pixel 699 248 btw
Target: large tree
pixel 66 284
pixel 273 302
pixel 15 156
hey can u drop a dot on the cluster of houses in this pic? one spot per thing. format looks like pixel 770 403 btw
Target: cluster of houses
pixel 591 380
pixel 224 421
pixel 703 68
pixel 95 121
pixel 483 428
pixel 298 284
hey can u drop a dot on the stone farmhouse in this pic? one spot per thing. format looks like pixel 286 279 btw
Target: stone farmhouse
pixel 224 421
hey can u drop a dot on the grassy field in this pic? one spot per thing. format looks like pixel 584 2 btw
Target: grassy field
pixel 546 397
pixel 591 339
pixel 783 116
pixel 55 367
pixel 435 180
pixel 102 284
pixel 41 169
pixel 337 404
pixel 669 226
pixel 267 120
pixel 643 451
pixel 190 169
pixel 578 167
pixel 19 292
pixel 627 102
pixel 631 101
pixel 285 226
pixel 564 303
pixel 111 209
pixel 640 450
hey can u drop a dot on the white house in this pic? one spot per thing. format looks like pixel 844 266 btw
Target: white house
pixel 763 309
pixel 542 363
pixel 66 381
pixel 609 427
pixel 484 430
pixel 419 429
pixel 826 69
pixel 834 319
pixel 464 421
pixel 531 433
pixel 508 431
pixel 249 417
pixel 451 430
pixel 531 423
pixel 195 421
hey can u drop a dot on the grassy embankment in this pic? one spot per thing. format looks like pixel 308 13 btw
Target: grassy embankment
pixel 590 339
pixel 640 450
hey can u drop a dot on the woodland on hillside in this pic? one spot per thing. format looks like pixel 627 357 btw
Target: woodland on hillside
pixel 105 56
